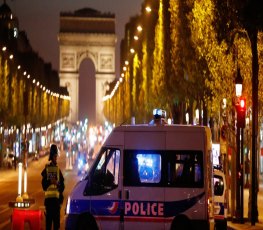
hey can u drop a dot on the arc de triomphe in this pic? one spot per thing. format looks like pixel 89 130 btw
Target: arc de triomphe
pixel 86 34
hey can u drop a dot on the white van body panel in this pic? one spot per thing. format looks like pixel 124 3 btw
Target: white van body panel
pixel 151 206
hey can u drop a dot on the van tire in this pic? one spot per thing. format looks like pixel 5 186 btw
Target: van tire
pixel 86 221
pixel 181 223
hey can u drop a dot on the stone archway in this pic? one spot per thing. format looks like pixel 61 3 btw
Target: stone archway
pixel 86 34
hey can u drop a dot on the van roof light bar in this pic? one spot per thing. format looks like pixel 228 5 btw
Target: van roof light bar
pixel 159 113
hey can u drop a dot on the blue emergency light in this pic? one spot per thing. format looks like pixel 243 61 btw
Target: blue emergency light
pixel 159 113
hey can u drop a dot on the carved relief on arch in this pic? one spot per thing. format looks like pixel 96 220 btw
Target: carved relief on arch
pixel 87 54
pixel 68 61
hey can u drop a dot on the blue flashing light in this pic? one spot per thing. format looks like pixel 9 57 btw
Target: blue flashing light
pixel 80 164
pixel 159 113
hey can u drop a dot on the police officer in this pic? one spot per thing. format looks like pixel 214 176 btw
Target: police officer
pixel 53 186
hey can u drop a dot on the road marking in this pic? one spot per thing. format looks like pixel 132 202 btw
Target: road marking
pixel 5 223
pixel 4 208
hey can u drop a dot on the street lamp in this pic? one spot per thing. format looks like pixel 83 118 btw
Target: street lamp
pixel 241 110
pixel 238 83
pixel 148 9
pixel 251 32
pixel 136 38
pixel 139 28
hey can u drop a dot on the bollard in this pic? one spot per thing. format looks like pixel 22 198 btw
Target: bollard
pixel 67 161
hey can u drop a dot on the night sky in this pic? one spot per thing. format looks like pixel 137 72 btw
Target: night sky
pixel 40 20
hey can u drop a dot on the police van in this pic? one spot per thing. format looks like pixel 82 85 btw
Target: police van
pixel 148 176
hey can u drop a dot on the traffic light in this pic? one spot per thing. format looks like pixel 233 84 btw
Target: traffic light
pixel 241 113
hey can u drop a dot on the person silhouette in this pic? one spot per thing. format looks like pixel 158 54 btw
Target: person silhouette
pixel 53 187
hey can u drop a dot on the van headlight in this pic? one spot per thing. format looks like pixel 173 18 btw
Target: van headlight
pixel 68 205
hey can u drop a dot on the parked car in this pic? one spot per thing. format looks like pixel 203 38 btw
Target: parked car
pixel 9 160
pixel 220 200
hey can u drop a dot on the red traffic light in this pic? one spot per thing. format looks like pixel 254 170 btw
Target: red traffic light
pixel 241 113
pixel 242 103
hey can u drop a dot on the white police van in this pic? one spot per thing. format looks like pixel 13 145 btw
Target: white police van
pixel 151 176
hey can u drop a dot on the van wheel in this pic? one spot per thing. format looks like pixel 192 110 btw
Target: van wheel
pixel 181 223
pixel 87 222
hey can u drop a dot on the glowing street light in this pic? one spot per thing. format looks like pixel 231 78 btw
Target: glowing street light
pixel 148 9
pixel 238 83
pixel 139 28
pixel 136 37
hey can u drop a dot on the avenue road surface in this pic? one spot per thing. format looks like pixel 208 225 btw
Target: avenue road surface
pixel 9 189
pixel 9 192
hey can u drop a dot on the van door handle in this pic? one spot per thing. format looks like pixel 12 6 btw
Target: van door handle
pixel 127 194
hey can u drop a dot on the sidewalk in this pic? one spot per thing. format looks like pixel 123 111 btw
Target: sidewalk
pixel 247 224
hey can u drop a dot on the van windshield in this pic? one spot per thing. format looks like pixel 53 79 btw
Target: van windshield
pixel 104 175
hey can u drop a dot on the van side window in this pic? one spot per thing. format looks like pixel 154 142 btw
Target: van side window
pixel 142 168
pixel 105 176
pixel 185 169
pixel 174 168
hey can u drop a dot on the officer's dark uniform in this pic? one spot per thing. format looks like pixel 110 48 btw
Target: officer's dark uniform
pixel 53 192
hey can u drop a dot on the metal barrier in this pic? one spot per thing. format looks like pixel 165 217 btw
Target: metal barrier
pixel 22 216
